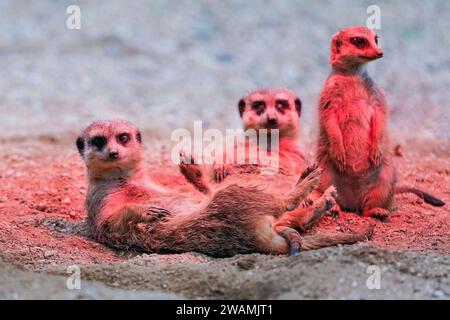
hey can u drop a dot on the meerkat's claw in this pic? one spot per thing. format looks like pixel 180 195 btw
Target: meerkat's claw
pixel 341 163
pixel 308 170
pixel 158 213
pixel 376 157
pixel 307 203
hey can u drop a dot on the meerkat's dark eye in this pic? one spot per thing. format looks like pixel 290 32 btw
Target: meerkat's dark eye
pixel 98 142
pixel 282 105
pixel 259 106
pixel 123 138
pixel 359 42
pixel 376 39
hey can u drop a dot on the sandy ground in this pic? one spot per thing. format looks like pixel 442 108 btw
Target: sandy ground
pixel 41 218
pixel 164 64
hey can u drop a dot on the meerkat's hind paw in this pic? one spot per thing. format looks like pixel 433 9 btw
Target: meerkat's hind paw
pixel 331 192
pixel 327 200
pixel 308 170
pixel 377 213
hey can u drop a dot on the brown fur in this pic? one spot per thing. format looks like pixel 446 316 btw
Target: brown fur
pixel 353 148
pixel 127 210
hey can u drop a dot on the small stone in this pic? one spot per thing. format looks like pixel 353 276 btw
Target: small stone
pixel 398 151
pixel 50 253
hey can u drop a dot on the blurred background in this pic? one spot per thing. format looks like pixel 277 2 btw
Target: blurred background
pixel 163 63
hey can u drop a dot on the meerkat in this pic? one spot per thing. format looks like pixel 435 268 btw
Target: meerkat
pixel 127 210
pixel 269 109
pixel 353 148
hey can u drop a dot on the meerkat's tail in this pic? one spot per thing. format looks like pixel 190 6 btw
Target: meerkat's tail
pixel 428 198
pixel 328 239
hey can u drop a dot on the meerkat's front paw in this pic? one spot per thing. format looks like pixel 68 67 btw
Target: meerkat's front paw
pixel 308 170
pixel 193 173
pixel 153 213
pixel 376 156
pixel 340 161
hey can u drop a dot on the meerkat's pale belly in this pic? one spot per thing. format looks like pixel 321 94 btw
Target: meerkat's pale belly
pixel 356 131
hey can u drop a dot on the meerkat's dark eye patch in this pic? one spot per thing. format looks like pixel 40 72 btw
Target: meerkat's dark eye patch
pixel 376 40
pixel 99 142
pixel 80 145
pixel 338 46
pixel 282 105
pixel 359 42
pixel 298 106
pixel 123 137
pixel 258 106
pixel 139 137
pixel 241 106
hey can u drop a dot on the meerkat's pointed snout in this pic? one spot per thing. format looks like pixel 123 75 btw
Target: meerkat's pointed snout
pixel 354 46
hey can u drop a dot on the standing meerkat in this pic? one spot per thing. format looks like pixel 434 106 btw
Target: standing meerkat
pixel 127 210
pixel 353 146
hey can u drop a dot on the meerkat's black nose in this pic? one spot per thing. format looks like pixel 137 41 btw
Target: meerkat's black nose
pixel 380 55
pixel 113 155
pixel 272 122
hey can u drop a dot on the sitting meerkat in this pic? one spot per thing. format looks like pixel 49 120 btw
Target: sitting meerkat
pixel 268 109
pixel 127 210
pixel 353 149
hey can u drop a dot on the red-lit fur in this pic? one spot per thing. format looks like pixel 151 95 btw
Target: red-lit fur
pixel 273 115
pixel 353 147
pixel 127 210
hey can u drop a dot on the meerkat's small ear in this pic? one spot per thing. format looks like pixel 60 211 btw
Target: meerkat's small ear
pixel 298 106
pixel 241 106
pixel 80 145
pixel 139 137
pixel 336 43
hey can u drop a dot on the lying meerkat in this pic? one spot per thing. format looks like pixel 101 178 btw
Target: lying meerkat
pixel 353 147
pixel 127 210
